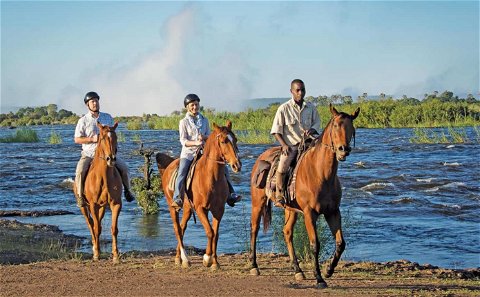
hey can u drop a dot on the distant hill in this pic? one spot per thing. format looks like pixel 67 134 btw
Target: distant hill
pixel 261 102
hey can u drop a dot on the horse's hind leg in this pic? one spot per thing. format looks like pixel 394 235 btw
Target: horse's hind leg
pixel 181 256
pixel 335 223
pixel 187 213
pixel 259 202
pixel 290 219
pixel 115 208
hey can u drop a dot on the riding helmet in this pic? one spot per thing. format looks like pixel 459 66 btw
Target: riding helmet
pixel 89 96
pixel 190 98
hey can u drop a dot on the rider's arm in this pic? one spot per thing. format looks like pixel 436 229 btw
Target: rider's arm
pixel 86 139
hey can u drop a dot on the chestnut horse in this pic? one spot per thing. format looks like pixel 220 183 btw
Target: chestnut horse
pixel 208 190
pixel 103 187
pixel 317 191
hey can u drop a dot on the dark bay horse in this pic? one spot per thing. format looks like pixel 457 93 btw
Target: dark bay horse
pixel 103 187
pixel 208 190
pixel 317 191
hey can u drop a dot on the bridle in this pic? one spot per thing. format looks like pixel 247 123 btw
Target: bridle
pixel 104 156
pixel 331 146
pixel 223 160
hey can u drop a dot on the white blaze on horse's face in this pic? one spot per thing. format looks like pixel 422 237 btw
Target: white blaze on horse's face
pixel 234 162
pixel 111 157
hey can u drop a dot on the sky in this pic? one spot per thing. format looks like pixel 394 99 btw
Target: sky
pixel 145 57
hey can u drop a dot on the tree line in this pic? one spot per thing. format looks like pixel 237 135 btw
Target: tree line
pixel 434 110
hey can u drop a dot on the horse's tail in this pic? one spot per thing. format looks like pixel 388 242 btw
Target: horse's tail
pixel 267 216
pixel 163 160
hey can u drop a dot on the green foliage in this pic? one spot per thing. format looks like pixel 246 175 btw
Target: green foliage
pixel 255 136
pixel 301 242
pixel 43 115
pixel 134 125
pixel 121 136
pixel 147 199
pixel 55 138
pixel 22 135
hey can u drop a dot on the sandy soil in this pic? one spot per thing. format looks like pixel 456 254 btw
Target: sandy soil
pixel 158 276
pixel 51 268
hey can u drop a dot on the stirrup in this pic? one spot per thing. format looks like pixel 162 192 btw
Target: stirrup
pixel 177 203
pixel 279 200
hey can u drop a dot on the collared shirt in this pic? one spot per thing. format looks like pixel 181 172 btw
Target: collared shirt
pixel 291 121
pixel 190 128
pixel 87 127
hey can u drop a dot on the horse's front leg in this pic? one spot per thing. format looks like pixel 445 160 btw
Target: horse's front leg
pixel 216 226
pixel 115 208
pixel 335 224
pixel 97 230
pixel 203 217
pixel 310 226
pixel 290 219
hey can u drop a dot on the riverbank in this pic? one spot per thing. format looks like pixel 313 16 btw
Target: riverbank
pixel 61 272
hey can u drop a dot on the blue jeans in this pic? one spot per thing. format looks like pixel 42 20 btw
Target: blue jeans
pixel 183 168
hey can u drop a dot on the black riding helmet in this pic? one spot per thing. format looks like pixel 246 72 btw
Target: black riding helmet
pixel 89 96
pixel 190 98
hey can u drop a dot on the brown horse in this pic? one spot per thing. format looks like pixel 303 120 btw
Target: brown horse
pixel 208 190
pixel 103 187
pixel 317 191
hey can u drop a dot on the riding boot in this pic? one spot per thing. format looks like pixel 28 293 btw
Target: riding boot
pixel 279 196
pixel 232 197
pixel 80 193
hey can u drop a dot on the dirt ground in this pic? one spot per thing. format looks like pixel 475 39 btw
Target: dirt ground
pixel 157 275
pixel 37 260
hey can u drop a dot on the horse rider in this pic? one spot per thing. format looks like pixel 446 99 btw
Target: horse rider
pixel 86 134
pixel 194 130
pixel 294 119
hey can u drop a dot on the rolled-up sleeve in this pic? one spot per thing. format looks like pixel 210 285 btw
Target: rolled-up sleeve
pixel 315 119
pixel 182 129
pixel 278 122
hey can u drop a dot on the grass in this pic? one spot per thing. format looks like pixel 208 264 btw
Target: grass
pixel 21 135
pixel 255 137
pixel 450 136
pixel 54 138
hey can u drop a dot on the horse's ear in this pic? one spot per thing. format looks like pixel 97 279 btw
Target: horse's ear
pixel 333 110
pixel 215 126
pixel 229 125
pixel 99 125
pixel 355 113
pixel 115 125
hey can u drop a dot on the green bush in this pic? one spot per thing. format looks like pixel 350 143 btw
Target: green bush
pixel 147 199
pixel 55 138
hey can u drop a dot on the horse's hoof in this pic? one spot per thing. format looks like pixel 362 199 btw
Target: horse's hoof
pixel 185 264
pixel 95 258
pixel 178 261
pixel 116 260
pixel 321 285
pixel 255 272
pixel 327 272
pixel 215 267
pixel 207 260
pixel 299 276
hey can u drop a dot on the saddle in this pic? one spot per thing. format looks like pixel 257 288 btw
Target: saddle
pixel 265 174
pixel 191 171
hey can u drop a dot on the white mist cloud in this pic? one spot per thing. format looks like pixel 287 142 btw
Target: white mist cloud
pixel 158 81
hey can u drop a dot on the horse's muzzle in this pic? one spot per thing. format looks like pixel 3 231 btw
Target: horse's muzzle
pixel 237 166
pixel 343 152
pixel 111 160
